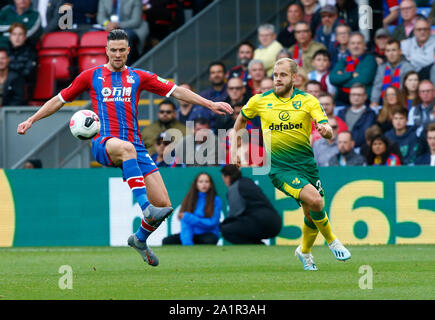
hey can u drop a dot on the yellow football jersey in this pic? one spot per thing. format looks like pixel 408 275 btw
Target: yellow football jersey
pixel 286 126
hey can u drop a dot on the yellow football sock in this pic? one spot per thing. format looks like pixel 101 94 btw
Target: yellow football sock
pixel 309 234
pixel 321 221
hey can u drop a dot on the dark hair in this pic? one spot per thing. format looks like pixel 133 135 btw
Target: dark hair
pixel 314 82
pixel 189 201
pixel 201 120
pixel 247 43
pixel 117 34
pixel 322 52
pixel 392 40
pixel 4 50
pixel 421 17
pixel 167 101
pixel 400 110
pixel 371 156
pixel 297 4
pixel 431 127
pixel 231 170
pixel 217 63
pixel 37 164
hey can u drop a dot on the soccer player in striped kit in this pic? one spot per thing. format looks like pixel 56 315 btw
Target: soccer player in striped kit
pixel 115 90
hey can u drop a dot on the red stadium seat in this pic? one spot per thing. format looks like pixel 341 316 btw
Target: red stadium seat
pixel 92 50
pixel 45 84
pixel 94 39
pixel 59 48
pixel 87 61
pixel 61 63
pixel 61 40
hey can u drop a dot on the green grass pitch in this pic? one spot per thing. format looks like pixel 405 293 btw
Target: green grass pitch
pixel 209 272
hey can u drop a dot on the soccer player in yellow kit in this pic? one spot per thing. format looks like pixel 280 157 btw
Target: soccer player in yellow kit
pixel 286 115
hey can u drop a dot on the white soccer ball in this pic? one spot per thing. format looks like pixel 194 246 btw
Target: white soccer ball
pixel 84 124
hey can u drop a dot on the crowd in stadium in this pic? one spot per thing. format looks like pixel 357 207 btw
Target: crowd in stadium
pixel 378 94
pixel 25 23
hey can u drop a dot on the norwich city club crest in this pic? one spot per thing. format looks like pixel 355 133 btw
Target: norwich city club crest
pixel 297 104
pixel 296 182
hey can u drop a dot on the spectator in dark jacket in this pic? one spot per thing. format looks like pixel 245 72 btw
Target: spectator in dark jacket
pixel 382 36
pixel 217 91
pixel 346 154
pixel 186 111
pixel 12 85
pixel 251 217
pixel 404 135
pixel 311 13
pixel 325 32
pixel 358 67
pixel 49 13
pixel 245 54
pixel 236 96
pixel 338 49
pixel 408 13
pixel 23 56
pixel 20 11
pixel 286 36
pixel 358 116
pixel 428 158
pixel 348 10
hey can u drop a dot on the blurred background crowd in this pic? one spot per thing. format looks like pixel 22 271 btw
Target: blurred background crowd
pixel 377 89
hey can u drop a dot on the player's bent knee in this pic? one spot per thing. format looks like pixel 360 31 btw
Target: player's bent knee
pixel 128 151
pixel 316 203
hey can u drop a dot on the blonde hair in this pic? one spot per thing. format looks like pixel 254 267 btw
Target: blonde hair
pixel 292 65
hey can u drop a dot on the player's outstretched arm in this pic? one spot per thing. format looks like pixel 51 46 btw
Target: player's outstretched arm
pixel 191 97
pixel 50 107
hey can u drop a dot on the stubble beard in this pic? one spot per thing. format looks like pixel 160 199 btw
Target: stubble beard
pixel 112 63
pixel 285 90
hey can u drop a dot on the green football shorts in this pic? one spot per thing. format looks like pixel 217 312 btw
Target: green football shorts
pixel 291 182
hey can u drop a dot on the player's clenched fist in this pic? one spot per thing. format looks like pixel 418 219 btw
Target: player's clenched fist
pixel 324 129
pixel 24 126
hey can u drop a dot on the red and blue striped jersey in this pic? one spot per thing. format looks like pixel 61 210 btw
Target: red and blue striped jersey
pixel 115 97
